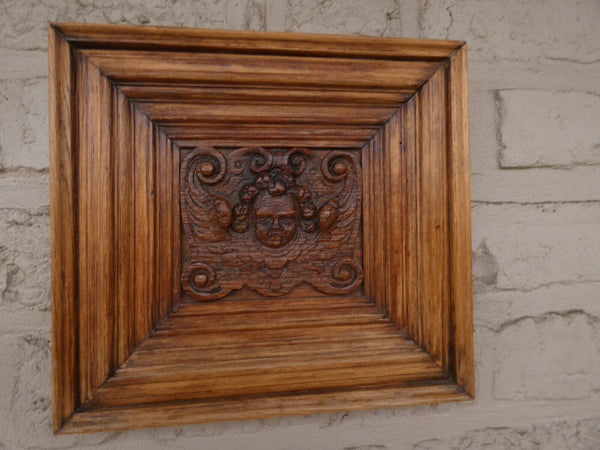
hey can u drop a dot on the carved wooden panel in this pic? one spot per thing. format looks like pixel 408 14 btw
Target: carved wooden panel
pixel 253 224
pixel 271 220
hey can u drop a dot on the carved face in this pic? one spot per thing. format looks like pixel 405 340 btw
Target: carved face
pixel 276 219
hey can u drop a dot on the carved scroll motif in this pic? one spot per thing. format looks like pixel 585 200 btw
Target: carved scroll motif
pixel 271 220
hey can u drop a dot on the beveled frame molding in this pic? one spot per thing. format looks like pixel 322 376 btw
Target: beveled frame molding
pixel 127 350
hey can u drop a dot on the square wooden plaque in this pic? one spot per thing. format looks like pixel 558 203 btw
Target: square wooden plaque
pixel 250 224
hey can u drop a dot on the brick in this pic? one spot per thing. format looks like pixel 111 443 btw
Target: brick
pixel 25 258
pixel 496 307
pixel 536 185
pixel 18 65
pixel 491 183
pixel 380 18
pixel 535 357
pixel 24 115
pixel 17 319
pixel 548 129
pixel 22 189
pixel 518 30
pixel 530 256
pixel 537 245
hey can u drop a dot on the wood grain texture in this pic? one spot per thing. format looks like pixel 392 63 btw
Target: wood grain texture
pixel 275 135
pixel 263 71
pixel 460 224
pixel 190 92
pixel 151 37
pixel 393 193
pixel 364 146
pixel 432 204
pixel 264 114
pixel 96 246
pixel 144 224
pixel 63 228
pixel 177 413
pixel 267 352
pixel 124 228
pixel 408 310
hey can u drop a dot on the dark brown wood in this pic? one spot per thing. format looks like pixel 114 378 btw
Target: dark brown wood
pixel 271 220
pixel 252 224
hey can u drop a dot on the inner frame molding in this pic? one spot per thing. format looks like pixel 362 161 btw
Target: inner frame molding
pixel 251 224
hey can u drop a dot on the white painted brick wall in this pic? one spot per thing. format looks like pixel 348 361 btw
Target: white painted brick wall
pixel 534 90
pixel 562 128
pixel 537 245
pixel 551 356
pixel 24 118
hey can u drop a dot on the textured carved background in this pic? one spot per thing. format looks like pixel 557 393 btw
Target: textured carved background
pixel 270 220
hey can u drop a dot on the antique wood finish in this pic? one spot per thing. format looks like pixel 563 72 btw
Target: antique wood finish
pixel 253 224
pixel 296 220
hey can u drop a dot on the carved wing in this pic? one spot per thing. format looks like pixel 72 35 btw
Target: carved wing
pixel 339 217
pixel 336 248
pixel 205 215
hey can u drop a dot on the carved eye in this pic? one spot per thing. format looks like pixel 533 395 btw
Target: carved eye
pixel 264 222
pixel 286 222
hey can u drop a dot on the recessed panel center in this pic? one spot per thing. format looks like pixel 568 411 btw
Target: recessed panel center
pixel 270 220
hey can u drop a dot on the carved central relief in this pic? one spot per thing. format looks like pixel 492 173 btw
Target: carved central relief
pixel 271 220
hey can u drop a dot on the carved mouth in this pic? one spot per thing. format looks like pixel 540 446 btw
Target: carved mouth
pixel 277 239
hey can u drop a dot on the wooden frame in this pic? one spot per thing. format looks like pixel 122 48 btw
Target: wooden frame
pixel 129 350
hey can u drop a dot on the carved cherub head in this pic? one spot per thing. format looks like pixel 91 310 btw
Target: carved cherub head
pixel 276 206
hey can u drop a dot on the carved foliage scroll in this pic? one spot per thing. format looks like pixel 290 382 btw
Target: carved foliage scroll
pixel 270 220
